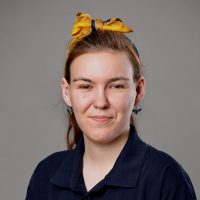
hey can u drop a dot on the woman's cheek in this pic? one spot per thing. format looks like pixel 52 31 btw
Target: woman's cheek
pixel 86 100
pixel 121 102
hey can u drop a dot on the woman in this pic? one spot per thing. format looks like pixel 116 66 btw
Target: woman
pixel 102 85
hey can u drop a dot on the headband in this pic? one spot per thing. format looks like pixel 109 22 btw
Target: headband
pixel 85 25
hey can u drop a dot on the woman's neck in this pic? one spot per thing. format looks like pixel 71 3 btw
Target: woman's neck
pixel 102 157
pixel 99 159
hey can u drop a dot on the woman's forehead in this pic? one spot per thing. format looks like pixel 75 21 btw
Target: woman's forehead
pixel 108 64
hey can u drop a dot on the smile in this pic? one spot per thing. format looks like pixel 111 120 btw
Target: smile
pixel 100 118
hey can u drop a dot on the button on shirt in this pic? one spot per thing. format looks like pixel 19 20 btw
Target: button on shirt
pixel 141 172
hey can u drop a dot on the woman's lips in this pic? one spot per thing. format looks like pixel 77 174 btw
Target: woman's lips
pixel 100 118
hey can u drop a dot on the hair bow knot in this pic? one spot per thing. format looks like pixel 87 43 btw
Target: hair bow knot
pixel 84 25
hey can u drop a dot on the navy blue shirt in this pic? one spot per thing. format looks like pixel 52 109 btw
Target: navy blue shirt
pixel 140 172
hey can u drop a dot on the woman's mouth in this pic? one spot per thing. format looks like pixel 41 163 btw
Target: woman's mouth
pixel 100 118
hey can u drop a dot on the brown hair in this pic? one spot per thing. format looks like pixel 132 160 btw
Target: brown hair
pixel 98 41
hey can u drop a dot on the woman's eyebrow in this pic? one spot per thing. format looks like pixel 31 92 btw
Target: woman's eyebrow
pixel 82 79
pixel 118 79
pixel 110 80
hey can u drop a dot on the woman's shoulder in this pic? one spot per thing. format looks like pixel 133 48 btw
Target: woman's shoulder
pixel 164 169
pixel 48 166
pixel 161 160
pixel 159 156
pixel 54 160
pixel 43 172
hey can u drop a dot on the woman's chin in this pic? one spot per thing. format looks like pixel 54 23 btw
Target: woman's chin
pixel 99 138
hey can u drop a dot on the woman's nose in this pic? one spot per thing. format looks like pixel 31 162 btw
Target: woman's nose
pixel 101 100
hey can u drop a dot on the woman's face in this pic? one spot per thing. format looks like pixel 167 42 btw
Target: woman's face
pixel 102 94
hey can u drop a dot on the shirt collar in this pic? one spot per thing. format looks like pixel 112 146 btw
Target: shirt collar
pixel 127 168
pixel 125 172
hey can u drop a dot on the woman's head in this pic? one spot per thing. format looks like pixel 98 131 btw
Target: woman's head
pixel 102 83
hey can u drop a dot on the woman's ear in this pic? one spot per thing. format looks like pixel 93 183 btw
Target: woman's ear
pixel 140 89
pixel 65 91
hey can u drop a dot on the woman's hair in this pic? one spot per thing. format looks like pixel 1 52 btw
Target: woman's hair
pixel 99 41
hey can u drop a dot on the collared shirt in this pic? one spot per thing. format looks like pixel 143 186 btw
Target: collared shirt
pixel 141 172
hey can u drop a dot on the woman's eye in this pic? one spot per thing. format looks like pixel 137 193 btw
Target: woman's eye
pixel 117 86
pixel 85 86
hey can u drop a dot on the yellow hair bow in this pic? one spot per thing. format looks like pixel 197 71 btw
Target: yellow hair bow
pixel 84 25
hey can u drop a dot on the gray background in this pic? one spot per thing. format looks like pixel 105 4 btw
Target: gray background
pixel 33 36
